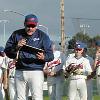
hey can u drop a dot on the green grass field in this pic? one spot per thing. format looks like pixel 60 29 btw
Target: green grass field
pixel 65 98
pixel 95 97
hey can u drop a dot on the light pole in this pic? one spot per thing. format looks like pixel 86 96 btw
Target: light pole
pixel 63 47
pixel 14 12
pixel 44 27
pixel 5 21
pixel 4 27
pixel 84 26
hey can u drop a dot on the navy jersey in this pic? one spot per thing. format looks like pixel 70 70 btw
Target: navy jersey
pixel 28 60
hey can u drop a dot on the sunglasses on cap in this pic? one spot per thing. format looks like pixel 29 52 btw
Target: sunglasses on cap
pixel 31 25
pixel 78 49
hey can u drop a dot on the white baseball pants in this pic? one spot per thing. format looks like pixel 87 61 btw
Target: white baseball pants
pixel 32 80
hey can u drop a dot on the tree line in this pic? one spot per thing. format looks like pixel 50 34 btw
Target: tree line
pixel 90 41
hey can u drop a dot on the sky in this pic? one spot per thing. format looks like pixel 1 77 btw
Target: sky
pixel 48 13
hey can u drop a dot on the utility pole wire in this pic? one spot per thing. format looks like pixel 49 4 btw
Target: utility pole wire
pixel 80 18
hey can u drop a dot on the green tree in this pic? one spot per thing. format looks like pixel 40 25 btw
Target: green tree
pixel 90 41
pixel 79 37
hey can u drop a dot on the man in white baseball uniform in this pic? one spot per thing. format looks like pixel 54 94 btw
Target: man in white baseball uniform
pixel 97 64
pixel 77 67
pixel 3 74
pixel 89 82
pixel 55 78
pixel 11 80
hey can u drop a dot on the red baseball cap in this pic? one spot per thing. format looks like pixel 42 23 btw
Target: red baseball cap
pixel 31 20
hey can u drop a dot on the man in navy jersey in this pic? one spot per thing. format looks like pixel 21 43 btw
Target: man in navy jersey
pixel 29 64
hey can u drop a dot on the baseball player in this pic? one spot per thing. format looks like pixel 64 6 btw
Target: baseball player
pixel 55 78
pixel 77 67
pixel 97 64
pixel 90 81
pixel 3 75
pixel 11 80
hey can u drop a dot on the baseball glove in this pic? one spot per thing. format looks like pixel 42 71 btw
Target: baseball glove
pixel 93 74
pixel 73 68
pixel 69 70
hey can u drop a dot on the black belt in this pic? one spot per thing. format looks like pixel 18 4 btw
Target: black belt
pixel 11 76
pixel 98 75
pixel 77 74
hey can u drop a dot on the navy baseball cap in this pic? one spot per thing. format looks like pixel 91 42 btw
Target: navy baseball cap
pixel 97 43
pixel 80 45
pixel 1 49
pixel 31 19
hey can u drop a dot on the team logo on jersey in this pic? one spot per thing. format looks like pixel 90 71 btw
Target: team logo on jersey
pixel 54 63
pixel 11 64
pixel 35 39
